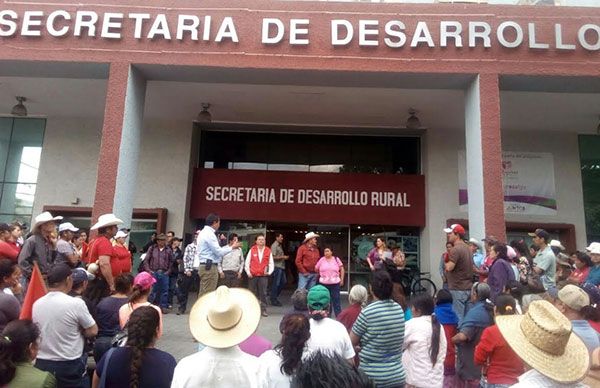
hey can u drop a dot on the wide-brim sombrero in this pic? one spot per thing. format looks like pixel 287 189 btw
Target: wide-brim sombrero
pixel 212 303
pixel 567 367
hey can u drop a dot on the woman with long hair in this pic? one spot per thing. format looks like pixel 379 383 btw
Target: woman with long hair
pixel 9 304
pixel 107 314
pixel 378 254
pixel 278 366
pixel 137 364
pixel 331 275
pixel 501 365
pixel 18 348
pixel 583 264
pixel 424 346
pixel 379 331
pixel 142 286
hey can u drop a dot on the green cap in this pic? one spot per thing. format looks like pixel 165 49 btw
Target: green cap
pixel 318 297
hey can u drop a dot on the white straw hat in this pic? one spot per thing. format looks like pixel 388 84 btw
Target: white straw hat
pixel 106 220
pixel 225 317
pixel 594 248
pixel 121 234
pixel 43 218
pixel 310 235
pixel 543 338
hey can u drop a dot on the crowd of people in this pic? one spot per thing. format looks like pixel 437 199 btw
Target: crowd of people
pixel 72 313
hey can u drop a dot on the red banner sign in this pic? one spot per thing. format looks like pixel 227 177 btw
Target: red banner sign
pixel 324 198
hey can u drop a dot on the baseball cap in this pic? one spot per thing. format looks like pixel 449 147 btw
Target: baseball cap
pixel 455 228
pixel 318 297
pixel 80 275
pixel 574 297
pixel 58 273
pixel 67 226
pixel 144 280
pixel 541 233
pixel 120 234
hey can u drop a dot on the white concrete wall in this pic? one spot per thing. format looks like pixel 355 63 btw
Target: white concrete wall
pixel 440 166
pixel 163 170
pixel 70 158
pixel 69 162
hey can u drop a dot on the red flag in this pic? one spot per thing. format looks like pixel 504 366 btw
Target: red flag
pixel 35 290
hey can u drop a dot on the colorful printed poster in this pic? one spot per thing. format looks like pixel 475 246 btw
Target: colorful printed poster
pixel 528 183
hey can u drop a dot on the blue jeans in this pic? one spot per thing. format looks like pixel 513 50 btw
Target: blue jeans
pixel 279 281
pixel 68 374
pixel 460 301
pixel 307 280
pixel 160 290
pixel 334 293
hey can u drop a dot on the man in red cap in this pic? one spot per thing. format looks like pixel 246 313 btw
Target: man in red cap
pixel 459 270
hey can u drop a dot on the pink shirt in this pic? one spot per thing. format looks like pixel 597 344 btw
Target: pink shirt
pixel 329 270
pixel 126 310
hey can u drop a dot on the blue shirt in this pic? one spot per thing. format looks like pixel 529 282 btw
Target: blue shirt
pixel 588 335
pixel 156 370
pixel 208 247
pixel 478 259
pixel 594 276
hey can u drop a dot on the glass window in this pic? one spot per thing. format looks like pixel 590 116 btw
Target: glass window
pixel 313 153
pixel 20 154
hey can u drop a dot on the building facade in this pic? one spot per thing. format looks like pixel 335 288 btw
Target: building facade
pixel 311 119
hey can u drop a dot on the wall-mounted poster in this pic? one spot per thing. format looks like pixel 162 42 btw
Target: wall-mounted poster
pixel 528 183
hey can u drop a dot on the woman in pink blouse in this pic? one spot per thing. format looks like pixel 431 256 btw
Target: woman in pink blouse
pixel 331 275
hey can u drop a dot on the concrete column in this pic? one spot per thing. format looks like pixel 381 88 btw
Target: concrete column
pixel 484 158
pixel 120 144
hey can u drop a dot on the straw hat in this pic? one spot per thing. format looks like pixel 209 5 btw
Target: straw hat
pixel 543 338
pixel 43 218
pixel 106 220
pixel 310 235
pixel 557 244
pixel 225 317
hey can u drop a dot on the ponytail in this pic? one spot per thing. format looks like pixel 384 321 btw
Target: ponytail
pixel 141 332
pixel 424 304
pixel 435 339
pixel 137 294
pixel 8 366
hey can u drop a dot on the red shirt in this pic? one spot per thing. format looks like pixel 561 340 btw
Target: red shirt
pixel 450 360
pixel 579 275
pixel 595 325
pixel 102 246
pixel 504 366
pixel 348 316
pixel 487 264
pixel 9 251
pixel 121 261
pixel 306 258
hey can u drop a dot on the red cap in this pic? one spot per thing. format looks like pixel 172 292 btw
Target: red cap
pixel 455 228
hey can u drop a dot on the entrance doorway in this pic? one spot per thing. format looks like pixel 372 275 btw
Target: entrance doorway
pixel 351 243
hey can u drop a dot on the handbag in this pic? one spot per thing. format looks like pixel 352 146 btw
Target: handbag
pixel 105 368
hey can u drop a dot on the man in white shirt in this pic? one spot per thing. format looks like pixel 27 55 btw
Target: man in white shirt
pixel 64 324
pixel 209 254
pixel 259 266
pixel 221 321
pixel 232 265
pixel 326 334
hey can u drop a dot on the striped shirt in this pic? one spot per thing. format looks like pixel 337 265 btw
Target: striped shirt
pixel 380 327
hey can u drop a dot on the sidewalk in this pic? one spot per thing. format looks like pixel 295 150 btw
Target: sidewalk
pixel 177 338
